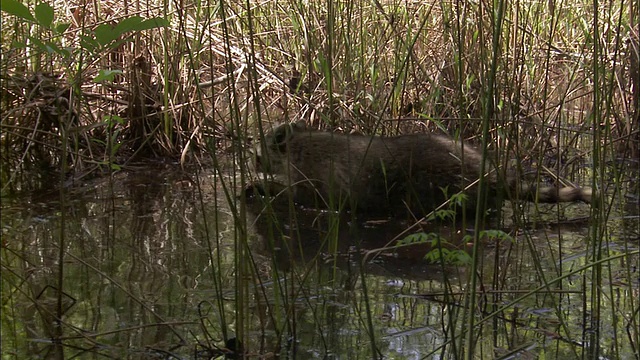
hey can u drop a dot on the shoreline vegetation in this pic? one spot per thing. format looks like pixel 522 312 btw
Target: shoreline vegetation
pixel 92 88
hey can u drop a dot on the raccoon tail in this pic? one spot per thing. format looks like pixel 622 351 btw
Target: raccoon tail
pixel 551 194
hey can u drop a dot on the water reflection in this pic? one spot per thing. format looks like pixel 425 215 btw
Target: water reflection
pixel 295 235
pixel 159 263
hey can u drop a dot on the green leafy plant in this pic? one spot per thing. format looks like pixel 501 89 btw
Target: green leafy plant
pixel 443 251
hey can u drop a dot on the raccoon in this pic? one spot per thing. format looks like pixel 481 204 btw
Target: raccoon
pixel 376 175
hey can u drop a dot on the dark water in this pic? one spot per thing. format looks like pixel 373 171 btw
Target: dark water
pixel 162 264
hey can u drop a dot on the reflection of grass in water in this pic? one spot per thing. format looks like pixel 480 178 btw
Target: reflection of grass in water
pixel 146 277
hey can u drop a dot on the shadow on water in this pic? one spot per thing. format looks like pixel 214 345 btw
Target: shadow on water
pixel 157 263
pixel 292 235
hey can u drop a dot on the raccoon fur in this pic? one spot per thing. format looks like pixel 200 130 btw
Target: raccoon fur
pixel 377 175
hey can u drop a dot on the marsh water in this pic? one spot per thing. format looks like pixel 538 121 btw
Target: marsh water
pixel 166 264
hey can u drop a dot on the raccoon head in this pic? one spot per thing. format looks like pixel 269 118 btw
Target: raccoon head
pixel 271 154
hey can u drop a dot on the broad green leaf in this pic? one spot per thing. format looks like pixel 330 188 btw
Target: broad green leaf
pixel 88 43
pixel 461 258
pixel 49 47
pixel 65 52
pixel 106 75
pixel 128 24
pixel 61 28
pixel 105 34
pixel 52 47
pixel 16 8
pixel 115 148
pixel 40 45
pixel 44 14
pixel 112 120
pixel 152 24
